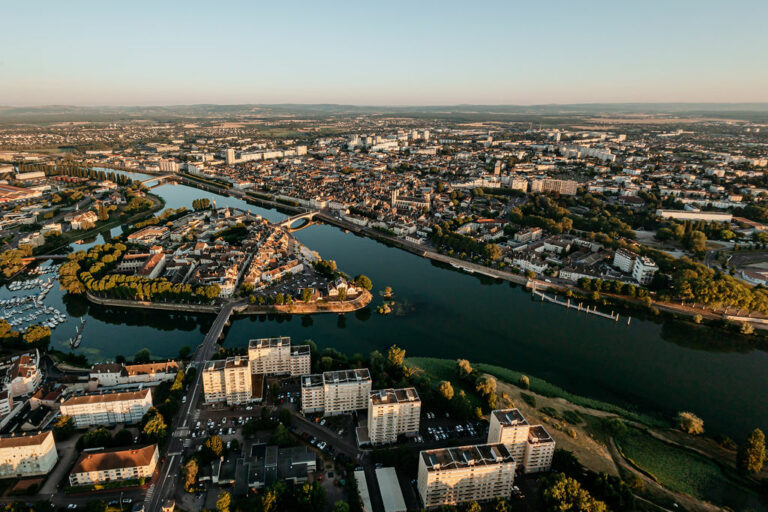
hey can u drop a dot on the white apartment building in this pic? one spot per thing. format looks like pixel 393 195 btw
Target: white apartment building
pixel 509 428
pixel 623 260
pixel 450 476
pixel 393 412
pixel 108 408
pixel 115 374
pixel 230 381
pixel 27 455
pixel 530 445
pixel 641 268
pixel 22 373
pixel 563 187
pixel 114 465
pixel 644 269
pixel 539 450
pixel 336 392
pixel 276 356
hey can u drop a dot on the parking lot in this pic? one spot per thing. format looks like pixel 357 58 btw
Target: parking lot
pixel 293 284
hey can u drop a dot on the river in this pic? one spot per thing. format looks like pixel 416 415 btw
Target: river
pixel 654 364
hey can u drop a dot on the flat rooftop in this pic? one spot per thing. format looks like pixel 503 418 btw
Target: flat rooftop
pixel 510 417
pixel 270 342
pixel 300 350
pixel 236 362
pixel 343 376
pixel 466 456
pixel 311 381
pixel 394 396
pixel 216 365
pixel 539 435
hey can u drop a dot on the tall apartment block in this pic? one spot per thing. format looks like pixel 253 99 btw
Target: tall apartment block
pixel 449 476
pixel 108 408
pixel 276 356
pixel 230 381
pixel 531 446
pixel 392 412
pixel 539 450
pixel 336 392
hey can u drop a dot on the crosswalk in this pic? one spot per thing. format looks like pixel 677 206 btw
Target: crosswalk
pixel 150 492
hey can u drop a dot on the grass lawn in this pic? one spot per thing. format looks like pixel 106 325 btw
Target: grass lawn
pixel 682 471
pixel 444 369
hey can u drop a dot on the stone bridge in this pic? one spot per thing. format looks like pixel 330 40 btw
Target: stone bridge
pixel 308 216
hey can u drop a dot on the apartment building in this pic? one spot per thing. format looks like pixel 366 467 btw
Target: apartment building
pixel 116 374
pixel 230 381
pixel 450 476
pixel 108 408
pixel 312 394
pixel 530 445
pixel 336 392
pixel 509 428
pixel 114 465
pixel 539 450
pixel 22 374
pixel 27 455
pixel 276 356
pixel 393 412
pixel 564 187
pixel 642 268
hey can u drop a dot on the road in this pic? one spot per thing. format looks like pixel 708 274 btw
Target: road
pixel 165 487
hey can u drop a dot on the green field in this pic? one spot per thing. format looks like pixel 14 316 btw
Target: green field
pixel 680 470
pixel 445 369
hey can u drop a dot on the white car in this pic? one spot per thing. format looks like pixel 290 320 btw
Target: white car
pixel 321 445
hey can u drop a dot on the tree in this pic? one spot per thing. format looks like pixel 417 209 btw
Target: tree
pixel 446 390
pixel 142 356
pixel 154 428
pixel 269 501
pixel 501 505
pixel 486 385
pixel 364 281
pixel 340 506
pixel 184 352
pixel 306 294
pixel 750 457
pixel 63 428
pixel 311 497
pixel 214 445
pixel 342 294
pixel 190 474
pixel 281 436
pixel 223 502
pixel 561 493
pixel 36 333
pixel 524 382
pixel 96 506
pixel 123 438
pixel 396 355
pixel 464 368
pixel 690 423
pixel 473 506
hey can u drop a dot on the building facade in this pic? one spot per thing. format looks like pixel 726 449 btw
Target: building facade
pixel 114 465
pixel 229 381
pixel 108 408
pixel 339 392
pixel 393 412
pixel 450 476
pixel 539 450
pixel 23 456
pixel 509 428
pixel 276 356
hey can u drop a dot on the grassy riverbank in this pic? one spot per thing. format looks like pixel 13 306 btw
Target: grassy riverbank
pixel 661 463
pixel 445 369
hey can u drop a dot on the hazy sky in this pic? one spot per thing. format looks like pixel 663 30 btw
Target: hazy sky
pixel 382 53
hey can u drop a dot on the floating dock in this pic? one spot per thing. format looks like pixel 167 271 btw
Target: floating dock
pixel 578 307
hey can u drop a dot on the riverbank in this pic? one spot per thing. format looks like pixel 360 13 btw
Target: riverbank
pixel 662 464
pixel 348 306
